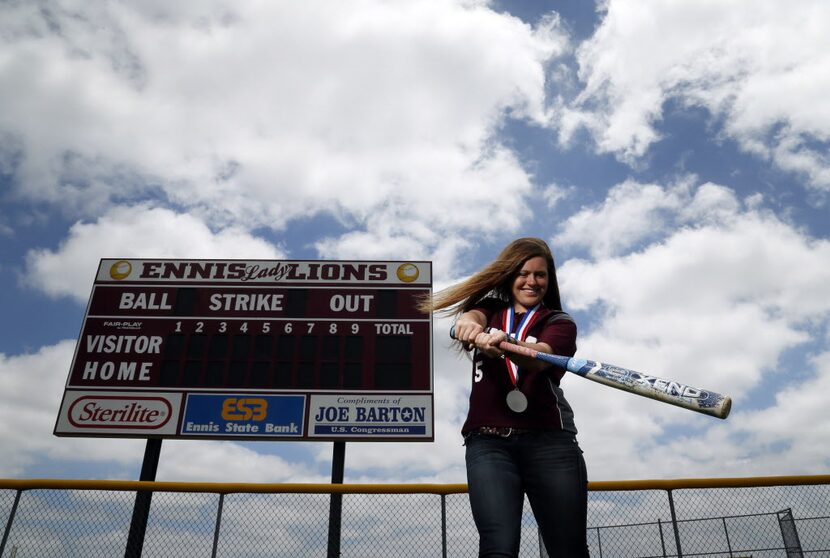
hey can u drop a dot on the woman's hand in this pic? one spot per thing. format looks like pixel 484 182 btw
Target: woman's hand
pixel 488 343
pixel 468 326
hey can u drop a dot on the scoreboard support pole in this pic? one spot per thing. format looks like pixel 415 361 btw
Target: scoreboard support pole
pixel 141 508
pixel 338 460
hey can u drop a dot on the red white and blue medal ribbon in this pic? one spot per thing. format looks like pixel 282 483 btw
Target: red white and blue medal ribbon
pixel 516 400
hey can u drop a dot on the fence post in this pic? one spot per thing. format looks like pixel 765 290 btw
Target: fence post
pixel 674 524
pixel 9 522
pixel 218 524
pixel 444 525
pixel 338 460
pixel 789 533
pixel 726 532
pixel 143 498
pixel 662 539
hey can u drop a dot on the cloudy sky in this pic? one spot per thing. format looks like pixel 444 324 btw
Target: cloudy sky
pixel 674 155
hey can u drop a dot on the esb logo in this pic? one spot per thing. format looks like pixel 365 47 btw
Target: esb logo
pixel 244 408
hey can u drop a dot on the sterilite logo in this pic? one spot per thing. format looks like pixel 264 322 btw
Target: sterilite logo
pixel 108 411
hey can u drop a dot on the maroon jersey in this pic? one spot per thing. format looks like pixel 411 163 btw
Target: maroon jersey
pixel 547 408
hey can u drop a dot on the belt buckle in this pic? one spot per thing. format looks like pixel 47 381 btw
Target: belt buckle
pixel 500 431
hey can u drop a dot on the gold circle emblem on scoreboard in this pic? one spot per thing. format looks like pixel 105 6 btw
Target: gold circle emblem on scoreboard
pixel 408 272
pixel 120 270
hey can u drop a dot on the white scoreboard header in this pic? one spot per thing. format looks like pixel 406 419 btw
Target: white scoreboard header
pixel 266 271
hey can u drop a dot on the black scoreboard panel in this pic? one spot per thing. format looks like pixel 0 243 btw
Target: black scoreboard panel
pixel 262 338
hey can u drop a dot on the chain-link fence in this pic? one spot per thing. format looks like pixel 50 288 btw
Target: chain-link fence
pixel 785 517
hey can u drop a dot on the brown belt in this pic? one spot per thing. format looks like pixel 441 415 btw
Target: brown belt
pixel 503 431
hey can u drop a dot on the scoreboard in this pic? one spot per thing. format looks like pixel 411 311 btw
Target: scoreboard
pixel 227 349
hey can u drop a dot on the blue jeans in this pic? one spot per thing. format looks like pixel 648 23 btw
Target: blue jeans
pixel 550 469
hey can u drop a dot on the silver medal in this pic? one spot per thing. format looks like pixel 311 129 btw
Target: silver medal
pixel 516 401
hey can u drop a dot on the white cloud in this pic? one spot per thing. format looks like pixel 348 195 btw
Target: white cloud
pixel 634 213
pixel 785 438
pixel 552 194
pixel 259 113
pixel 134 232
pixel 751 257
pixel 797 420
pixel 763 67
pixel 715 304
pixel 31 387
pixel 225 461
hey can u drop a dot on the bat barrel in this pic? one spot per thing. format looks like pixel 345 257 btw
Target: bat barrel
pixel 680 395
pixel 674 393
pixel 698 400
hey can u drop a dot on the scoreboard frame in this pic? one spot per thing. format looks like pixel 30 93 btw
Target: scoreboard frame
pixel 254 350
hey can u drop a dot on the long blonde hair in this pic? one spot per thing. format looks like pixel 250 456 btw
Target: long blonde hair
pixel 496 280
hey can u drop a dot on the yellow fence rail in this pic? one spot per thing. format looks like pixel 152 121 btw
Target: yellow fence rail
pixel 356 488
pixel 762 517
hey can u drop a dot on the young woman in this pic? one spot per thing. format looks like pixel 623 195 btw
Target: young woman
pixel 519 434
